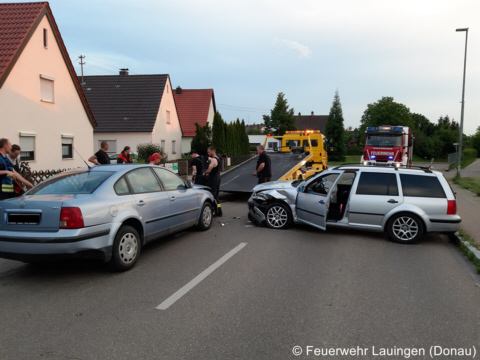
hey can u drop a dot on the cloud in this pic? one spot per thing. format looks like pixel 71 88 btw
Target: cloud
pixel 302 51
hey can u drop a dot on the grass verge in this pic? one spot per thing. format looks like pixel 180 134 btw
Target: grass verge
pixel 468 247
pixel 472 184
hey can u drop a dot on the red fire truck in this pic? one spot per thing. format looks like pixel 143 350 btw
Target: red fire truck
pixel 387 144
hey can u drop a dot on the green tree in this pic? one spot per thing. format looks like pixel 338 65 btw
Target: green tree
pixel 386 112
pixel 281 118
pixel 476 141
pixel 218 134
pixel 335 132
pixel 202 139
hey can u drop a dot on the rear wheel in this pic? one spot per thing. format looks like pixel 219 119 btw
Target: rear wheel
pixel 206 217
pixel 126 249
pixel 405 228
pixel 278 216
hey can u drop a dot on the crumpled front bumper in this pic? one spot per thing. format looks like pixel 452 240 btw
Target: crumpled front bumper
pixel 255 213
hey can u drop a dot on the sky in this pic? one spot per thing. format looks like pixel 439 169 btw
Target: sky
pixel 248 51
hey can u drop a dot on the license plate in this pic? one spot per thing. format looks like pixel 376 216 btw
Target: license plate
pixel 23 219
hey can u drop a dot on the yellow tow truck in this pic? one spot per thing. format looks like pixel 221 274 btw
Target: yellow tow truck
pixel 294 155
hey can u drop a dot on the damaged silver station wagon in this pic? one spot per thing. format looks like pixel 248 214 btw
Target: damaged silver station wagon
pixel 404 202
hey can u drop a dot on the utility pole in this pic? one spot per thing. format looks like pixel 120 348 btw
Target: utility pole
pixel 81 57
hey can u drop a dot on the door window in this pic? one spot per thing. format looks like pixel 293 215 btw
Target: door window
pixel 373 183
pixel 322 185
pixel 143 181
pixel 170 180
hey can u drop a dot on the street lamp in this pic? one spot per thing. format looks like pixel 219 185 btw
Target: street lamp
pixel 463 104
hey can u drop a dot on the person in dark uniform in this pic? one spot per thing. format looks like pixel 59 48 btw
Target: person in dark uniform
pixel 212 174
pixel 124 157
pixel 197 168
pixel 101 157
pixel 264 166
pixel 14 159
pixel 7 173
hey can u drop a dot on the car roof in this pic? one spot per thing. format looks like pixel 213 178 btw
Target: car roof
pixel 374 168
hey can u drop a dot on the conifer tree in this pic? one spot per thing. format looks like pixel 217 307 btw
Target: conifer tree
pixel 218 134
pixel 281 118
pixel 335 132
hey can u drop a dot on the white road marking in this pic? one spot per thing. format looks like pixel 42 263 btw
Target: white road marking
pixel 195 281
pixel 231 180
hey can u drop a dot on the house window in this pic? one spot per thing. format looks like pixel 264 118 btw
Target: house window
pixel 45 38
pixel 173 147
pixel 112 146
pixel 67 147
pixel 168 117
pixel 46 89
pixel 162 145
pixel 27 144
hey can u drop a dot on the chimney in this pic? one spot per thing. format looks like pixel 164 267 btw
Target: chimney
pixel 299 113
pixel 312 113
pixel 123 72
pixel 178 90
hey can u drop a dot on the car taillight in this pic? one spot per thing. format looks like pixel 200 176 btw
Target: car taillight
pixel 71 218
pixel 452 207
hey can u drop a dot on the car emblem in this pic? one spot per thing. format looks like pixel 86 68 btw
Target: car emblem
pixel 22 204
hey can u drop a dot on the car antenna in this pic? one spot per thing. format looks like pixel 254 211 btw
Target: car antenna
pixel 81 157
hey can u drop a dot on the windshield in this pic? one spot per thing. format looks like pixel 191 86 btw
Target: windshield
pixel 384 140
pixel 71 183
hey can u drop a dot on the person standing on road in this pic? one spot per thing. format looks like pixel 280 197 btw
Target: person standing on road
pixel 264 166
pixel 197 168
pixel 7 173
pixel 124 157
pixel 212 174
pixel 14 154
pixel 155 159
pixel 101 157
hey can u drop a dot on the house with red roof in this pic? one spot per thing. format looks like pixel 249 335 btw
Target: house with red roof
pixel 193 106
pixel 42 105
pixel 134 109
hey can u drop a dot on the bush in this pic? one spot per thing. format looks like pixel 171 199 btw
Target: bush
pixel 147 149
pixel 470 154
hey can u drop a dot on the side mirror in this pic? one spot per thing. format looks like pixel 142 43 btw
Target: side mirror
pixel 301 188
pixel 189 184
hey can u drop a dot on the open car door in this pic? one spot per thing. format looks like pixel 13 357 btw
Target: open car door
pixel 313 200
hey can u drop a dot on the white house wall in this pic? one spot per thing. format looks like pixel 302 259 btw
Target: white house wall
pixel 21 109
pixel 168 132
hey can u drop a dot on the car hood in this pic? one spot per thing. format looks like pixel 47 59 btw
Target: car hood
pixel 283 184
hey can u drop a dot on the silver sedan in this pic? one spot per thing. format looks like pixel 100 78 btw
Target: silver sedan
pixel 108 212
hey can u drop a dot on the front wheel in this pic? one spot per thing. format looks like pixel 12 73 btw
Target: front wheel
pixel 206 217
pixel 126 249
pixel 405 228
pixel 278 216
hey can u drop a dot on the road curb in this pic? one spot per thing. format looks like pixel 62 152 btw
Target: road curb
pixel 472 253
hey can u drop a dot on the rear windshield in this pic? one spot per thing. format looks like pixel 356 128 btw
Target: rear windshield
pixel 421 186
pixel 72 183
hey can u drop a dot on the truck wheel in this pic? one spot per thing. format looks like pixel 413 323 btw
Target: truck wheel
pixel 126 249
pixel 405 228
pixel 277 216
pixel 206 218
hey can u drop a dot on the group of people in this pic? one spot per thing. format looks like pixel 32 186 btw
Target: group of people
pixel 12 182
pixel 101 157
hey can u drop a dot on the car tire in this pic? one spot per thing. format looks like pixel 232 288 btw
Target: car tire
pixel 278 216
pixel 405 228
pixel 126 249
pixel 206 217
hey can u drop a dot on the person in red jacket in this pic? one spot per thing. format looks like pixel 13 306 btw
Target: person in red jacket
pixel 124 157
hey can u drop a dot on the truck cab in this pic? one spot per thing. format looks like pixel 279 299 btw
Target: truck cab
pixel 391 145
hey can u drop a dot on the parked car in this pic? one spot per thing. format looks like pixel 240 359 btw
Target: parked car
pixel 404 202
pixel 108 212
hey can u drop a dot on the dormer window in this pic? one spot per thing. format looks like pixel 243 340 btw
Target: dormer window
pixel 45 38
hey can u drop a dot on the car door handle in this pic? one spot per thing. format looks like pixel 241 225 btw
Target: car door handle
pixel 322 202
pixel 391 201
pixel 141 203
pixel 173 198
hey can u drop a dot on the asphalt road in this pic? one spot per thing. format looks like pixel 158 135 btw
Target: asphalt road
pixel 280 289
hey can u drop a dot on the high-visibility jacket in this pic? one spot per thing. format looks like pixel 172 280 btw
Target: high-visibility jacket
pixel 7 183
pixel 124 157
